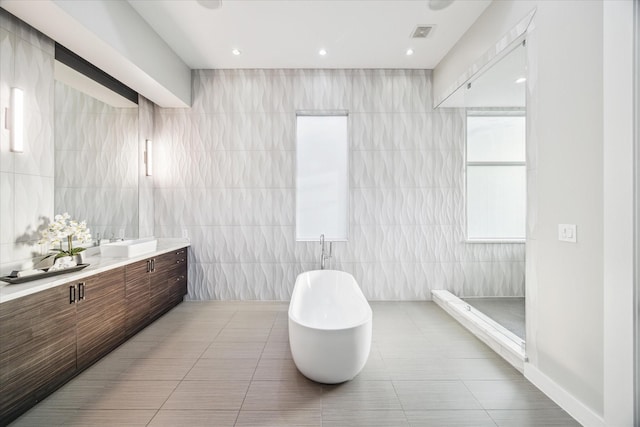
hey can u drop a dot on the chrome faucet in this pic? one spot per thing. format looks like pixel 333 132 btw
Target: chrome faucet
pixel 324 255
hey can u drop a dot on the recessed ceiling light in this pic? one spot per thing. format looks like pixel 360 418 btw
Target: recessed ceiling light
pixel 521 80
pixel 439 4
pixel 322 52
pixel 409 52
pixel 211 4
pixel 236 52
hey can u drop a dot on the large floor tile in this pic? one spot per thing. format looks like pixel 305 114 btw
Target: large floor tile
pixel 41 416
pixel 277 350
pixel 234 350
pixel 249 319
pixel 471 348
pixel 406 348
pixel 375 369
pixel 360 395
pixel 432 368
pixel 553 417
pixel 170 349
pixel 300 394
pixel 111 367
pixel 223 370
pixel 512 394
pixel 195 332
pixel 207 395
pixel 277 370
pixel 279 335
pixel 111 417
pixel 158 369
pixel 460 418
pixel 301 418
pixel 435 395
pixel 243 335
pixel 356 418
pixel 130 395
pixel 193 418
pixel 483 369
pixel 77 394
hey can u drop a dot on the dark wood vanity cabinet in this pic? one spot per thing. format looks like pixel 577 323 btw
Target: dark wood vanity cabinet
pixel 37 348
pixel 48 337
pixel 100 308
pixel 153 287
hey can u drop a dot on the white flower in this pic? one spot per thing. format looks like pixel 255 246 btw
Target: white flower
pixel 64 227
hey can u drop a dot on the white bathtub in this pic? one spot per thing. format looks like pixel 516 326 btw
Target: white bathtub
pixel 329 326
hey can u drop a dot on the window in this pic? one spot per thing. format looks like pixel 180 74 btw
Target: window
pixel 496 176
pixel 322 177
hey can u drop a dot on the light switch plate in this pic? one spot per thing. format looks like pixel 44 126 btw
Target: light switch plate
pixel 567 233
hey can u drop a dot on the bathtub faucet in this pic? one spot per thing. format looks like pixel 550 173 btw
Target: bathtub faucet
pixel 324 255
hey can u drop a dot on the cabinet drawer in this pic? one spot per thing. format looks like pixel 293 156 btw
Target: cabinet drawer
pixel 169 260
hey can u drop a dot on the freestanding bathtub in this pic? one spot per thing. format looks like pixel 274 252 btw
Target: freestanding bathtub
pixel 329 326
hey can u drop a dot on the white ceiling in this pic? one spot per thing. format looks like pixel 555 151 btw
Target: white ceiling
pixel 289 33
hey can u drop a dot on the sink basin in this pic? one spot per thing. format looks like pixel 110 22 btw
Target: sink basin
pixel 128 248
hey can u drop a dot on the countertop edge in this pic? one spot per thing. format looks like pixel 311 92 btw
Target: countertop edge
pixel 98 264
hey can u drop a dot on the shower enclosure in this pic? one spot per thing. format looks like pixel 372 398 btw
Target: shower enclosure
pixel 492 279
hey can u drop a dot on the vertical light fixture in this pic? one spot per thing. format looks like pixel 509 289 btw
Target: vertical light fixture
pixel 148 157
pixel 16 112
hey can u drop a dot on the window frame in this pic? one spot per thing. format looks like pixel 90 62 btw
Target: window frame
pixel 498 112
pixel 323 113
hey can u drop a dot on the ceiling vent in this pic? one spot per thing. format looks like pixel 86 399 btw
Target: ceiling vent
pixel 421 32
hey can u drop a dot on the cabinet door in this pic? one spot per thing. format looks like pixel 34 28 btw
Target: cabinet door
pixel 101 315
pixel 37 348
pixel 137 295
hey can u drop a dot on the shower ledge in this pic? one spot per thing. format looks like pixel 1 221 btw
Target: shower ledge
pixel 504 342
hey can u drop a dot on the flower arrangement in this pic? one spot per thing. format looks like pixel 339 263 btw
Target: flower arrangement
pixel 62 229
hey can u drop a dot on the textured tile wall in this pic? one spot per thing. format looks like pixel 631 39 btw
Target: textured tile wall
pixel 225 178
pixel 96 162
pixel 26 179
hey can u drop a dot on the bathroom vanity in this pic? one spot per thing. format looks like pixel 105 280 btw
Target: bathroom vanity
pixel 51 330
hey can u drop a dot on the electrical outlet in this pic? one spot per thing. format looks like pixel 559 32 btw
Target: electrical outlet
pixel 567 233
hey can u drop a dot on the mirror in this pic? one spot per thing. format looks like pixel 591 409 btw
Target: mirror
pixel 96 136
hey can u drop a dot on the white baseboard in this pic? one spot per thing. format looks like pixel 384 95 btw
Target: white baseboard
pixel 578 410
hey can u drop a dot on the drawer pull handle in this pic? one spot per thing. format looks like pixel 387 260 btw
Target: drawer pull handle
pixel 72 294
pixel 148 266
pixel 153 265
pixel 81 291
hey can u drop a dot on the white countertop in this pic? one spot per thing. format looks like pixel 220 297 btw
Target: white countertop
pixel 98 264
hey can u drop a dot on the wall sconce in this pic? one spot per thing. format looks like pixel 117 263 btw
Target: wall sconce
pixel 148 157
pixel 16 114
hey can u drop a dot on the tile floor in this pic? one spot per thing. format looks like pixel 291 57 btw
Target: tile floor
pixel 507 311
pixel 228 364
